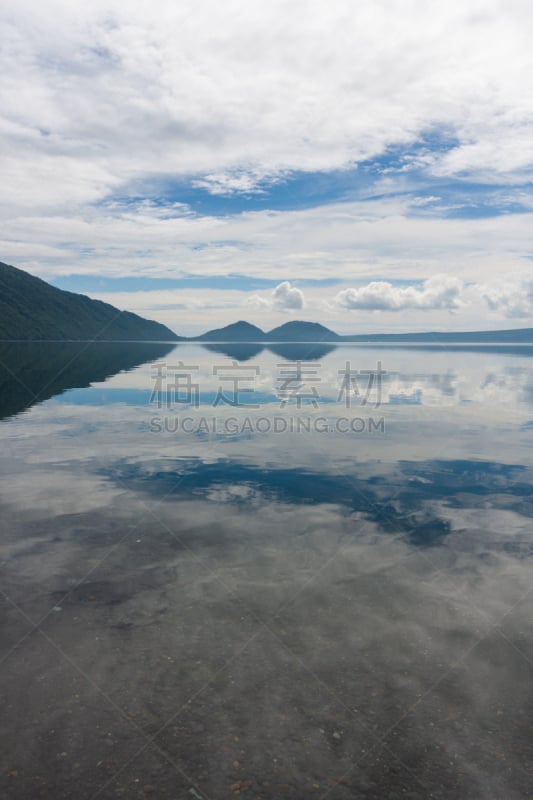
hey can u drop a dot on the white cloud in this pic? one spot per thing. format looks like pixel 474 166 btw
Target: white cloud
pixel 439 292
pixel 192 311
pixel 285 297
pixel 513 299
pixel 98 95
pixel 358 241
pixel 258 303
pixel 227 183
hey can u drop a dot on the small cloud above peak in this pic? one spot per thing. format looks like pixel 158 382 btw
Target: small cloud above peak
pixel 285 297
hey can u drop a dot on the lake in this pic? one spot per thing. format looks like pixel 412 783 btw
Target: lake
pixel 298 571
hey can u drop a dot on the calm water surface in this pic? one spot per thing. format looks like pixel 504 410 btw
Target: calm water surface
pixel 221 576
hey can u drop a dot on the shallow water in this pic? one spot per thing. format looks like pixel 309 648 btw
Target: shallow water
pixel 223 577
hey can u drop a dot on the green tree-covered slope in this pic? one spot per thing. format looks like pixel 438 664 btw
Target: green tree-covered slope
pixel 31 309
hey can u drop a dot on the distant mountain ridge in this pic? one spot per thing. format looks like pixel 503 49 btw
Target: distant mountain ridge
pixel 296 331
pixel 240 331
pixel 32 310
pixel 314 332
pixel 512 336
pixel 293 331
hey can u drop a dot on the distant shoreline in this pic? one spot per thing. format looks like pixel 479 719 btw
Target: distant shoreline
pixel 266 342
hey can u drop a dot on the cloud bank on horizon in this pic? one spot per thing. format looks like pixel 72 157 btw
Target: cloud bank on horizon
pixel 367 164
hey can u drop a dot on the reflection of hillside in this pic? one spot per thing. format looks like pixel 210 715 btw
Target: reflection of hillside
pixel 445 347
pixel 291 351
pixel 302 351
pixel 313 351
pixel 32 372
pixel 240 351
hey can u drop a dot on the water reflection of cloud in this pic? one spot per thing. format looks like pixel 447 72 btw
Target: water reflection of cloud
pixel 378 564
pixel 442 378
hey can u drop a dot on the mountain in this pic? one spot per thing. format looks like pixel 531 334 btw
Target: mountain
pixel 296 331
pixel 301 331
pixel 31 309
pixel 236 332
pixel 514 336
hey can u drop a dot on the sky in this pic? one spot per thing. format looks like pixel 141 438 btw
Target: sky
pixel 365 165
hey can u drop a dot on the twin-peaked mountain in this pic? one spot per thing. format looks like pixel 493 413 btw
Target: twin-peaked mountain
pixel 313 332
pixel 293 331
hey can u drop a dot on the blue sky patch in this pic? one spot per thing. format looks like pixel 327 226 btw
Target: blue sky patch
pixel 100 283
pixel 402 171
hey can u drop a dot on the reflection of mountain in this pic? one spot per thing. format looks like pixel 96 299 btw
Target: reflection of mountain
pixel 444 347
pixel 32 372
pixel 301 351
pixel 296 351
pixel 240 351
pixel 313 351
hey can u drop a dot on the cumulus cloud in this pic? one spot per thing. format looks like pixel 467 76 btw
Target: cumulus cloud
pixel 437 293
pixel 285 297
pixel 513 299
